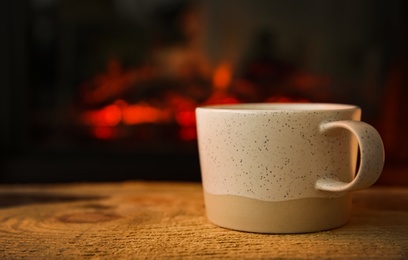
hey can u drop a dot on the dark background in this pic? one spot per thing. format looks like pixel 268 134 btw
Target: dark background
pixel 318 51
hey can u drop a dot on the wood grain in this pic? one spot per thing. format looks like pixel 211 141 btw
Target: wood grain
pixel 140 220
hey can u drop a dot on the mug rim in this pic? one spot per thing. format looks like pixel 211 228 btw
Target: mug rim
pixel 264 107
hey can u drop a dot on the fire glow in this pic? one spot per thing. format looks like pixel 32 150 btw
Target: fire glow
pixel 121 112
pixel 174 108
pixel 178 108
pixel 135 114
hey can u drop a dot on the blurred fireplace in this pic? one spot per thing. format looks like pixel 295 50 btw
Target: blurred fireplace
pixel 106 90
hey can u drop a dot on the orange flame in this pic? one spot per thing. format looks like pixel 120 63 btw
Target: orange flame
pixel 176 107
pixel 120 111
pixel 143 113
pixel 107 116
pixel 222 76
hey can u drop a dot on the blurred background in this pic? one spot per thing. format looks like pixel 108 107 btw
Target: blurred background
pixel 105 90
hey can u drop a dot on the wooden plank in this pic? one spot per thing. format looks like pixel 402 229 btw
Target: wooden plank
pixel 163 220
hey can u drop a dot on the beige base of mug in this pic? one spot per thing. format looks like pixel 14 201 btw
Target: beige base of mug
pixel 293 216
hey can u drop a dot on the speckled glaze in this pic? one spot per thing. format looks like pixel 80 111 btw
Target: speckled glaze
pixel 277 152
pixel 284 152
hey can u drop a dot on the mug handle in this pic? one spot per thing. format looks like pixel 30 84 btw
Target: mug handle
pixel 371 157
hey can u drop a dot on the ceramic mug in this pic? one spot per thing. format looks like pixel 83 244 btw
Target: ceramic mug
pixel 284 168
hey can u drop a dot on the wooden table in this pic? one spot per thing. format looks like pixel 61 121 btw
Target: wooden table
pixel 144 220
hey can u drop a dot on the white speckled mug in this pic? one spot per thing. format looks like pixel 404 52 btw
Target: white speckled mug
pixel 284 168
